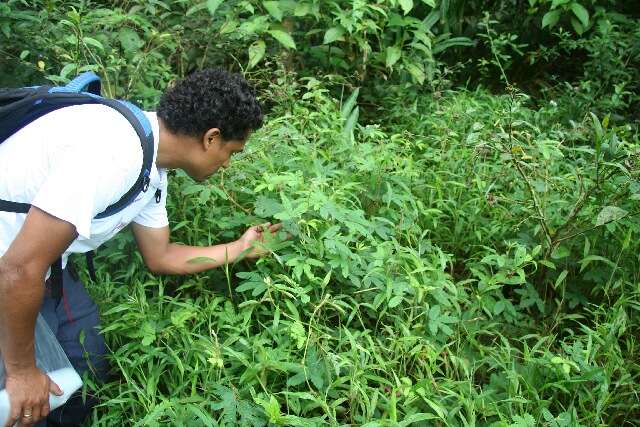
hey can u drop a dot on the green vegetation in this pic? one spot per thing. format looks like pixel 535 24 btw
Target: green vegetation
pixel 461 182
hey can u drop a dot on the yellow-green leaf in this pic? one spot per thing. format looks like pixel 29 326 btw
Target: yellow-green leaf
pixel 393 55
pixel 92 42
pixel 273 7
pixel 284 38
pixel 406 5
pixel 212 6
pixel 333 34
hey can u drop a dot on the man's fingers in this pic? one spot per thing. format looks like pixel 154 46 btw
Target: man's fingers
pixel 36 414
pixel 16 412
pixel 275 227
pixel 53 388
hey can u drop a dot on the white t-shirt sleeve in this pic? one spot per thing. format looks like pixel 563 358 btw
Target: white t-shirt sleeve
pixel 69 193
pixel 154 215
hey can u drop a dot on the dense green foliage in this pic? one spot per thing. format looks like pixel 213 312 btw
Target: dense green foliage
pixel 458 257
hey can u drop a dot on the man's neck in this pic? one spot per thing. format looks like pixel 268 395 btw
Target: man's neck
pixel 171 148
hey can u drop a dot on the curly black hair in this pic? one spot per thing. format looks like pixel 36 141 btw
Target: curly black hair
pixel 211 98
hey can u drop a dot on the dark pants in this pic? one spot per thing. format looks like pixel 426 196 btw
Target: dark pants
pixel 68 317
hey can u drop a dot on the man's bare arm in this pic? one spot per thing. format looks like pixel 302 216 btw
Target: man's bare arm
pixel 40 241
pixel 164 257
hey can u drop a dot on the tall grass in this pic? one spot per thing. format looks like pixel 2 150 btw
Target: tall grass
pixel 420 286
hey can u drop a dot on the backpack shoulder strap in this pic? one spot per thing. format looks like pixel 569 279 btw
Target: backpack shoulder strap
pixel 141 124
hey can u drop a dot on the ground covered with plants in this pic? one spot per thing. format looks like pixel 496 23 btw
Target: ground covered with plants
pixel 461 183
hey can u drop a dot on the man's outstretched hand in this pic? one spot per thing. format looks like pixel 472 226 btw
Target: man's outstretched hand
pixel 253 241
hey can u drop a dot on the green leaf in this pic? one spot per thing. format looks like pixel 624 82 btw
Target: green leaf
pixel 129 40
pixel 560 279
pixel 67 69
pixel 212 6
pixel 284 38
pixel 577 26
pixel 6 29
pixel 297 379
pixel 431 3
pixel 93 42
pixel 315 368
pixel 523 421
pixel 256 53
pixel 557 3
pixel 406 5
pixel 431 19
pixel 550 18
pixel 610 214
pixel 581 13
pixel 588 260
pixel 350 125
pixel 273 7
pixel 229 27
pixel 416 71
pixel 333 34
pixel 196 8
pixel 179 317
pixel 560 252
pixel 393 55
pixel 395 301
pixel 416 418
pixel 452 42
pixel 349 104
pixel 204 418
pixel 302 9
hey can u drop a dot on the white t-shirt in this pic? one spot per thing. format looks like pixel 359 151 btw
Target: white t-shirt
pixel 73 163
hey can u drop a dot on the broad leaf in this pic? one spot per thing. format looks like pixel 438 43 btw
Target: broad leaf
pixel 333 34
pixel 129 40
pixel 395 301
pixel 406 5
pixel 431 19
pixel 273 7
pixel 93 42
pixel 581 13
pixel 256 53
pixel 284 38
pixel 416 71
pixel 610 214
pixel 349 104
pixel 550 18
pixel 452 42
pixel 212 6
pixel 393 55
pixel 577 26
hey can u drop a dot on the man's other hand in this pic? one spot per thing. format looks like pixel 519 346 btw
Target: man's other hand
pixel 29 396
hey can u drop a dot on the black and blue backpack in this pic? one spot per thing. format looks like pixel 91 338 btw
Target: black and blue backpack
pixel 21 106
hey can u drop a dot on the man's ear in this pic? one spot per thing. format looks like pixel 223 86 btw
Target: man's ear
pixel 211 138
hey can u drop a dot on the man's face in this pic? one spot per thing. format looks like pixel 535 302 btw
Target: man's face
pixel 216 153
